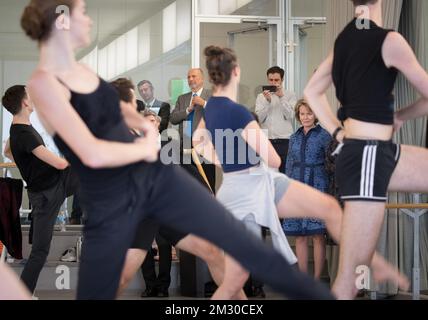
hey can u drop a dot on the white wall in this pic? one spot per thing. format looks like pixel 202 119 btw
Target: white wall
pixel 252 50
pixel 309 8
pixel 18 72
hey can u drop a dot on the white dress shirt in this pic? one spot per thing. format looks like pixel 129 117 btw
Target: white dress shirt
pixel 276 116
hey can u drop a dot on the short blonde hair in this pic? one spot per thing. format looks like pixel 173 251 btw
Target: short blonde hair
pixel 300 103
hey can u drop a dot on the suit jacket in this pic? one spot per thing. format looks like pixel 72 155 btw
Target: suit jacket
pixel 164 112
pixel 179 114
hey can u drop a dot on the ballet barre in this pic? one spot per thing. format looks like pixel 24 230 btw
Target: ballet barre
pixel 7 165
pixel 414 211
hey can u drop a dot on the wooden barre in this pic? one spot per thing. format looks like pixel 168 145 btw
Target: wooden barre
pixel 7 165
pixel 407 206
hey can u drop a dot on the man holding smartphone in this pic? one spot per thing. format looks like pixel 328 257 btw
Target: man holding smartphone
pixel 275 109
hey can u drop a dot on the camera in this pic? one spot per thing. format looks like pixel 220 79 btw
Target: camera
pixel 272 89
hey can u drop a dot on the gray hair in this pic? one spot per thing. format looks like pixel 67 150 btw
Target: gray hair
pixel 148 113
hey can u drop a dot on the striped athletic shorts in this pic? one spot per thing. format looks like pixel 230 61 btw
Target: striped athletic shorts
pixel 364 168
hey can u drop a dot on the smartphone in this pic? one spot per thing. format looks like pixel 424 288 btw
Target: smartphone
pixel 270 88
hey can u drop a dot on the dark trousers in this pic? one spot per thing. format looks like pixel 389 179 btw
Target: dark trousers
pixel 281 147
pixel 191 267
pixel 46 205
pixel 253 283
pixel 76 212
pixel 209 169
pixel 170 196
pixel 163 279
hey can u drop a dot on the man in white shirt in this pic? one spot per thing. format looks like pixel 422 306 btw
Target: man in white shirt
pixel 276 111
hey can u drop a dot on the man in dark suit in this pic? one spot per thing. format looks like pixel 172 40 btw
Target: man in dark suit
pixel 162 109
pixel 187 113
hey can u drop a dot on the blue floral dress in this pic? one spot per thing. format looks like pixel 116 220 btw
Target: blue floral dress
pixel 306 163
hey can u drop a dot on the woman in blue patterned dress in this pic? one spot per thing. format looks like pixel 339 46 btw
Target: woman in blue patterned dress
pixel 306 163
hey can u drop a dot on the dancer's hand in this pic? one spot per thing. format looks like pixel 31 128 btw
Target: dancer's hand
pixel 149 140
pixel 398 123
pixel 341 135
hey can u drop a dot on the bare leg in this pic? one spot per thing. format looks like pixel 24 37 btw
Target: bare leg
pixel 361 227
pixel 11 288
pixel 411 173
pixel 302 201
pixel 302 253
pixel 133 261
pixel 319 254
pixel 234 279
pixel 208 252
pixel 321 206
pixel 215 260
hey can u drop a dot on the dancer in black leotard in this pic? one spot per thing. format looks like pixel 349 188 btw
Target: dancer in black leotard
pixel 149 228
pixel 121 179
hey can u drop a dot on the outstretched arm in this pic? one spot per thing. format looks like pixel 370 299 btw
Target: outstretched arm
pixel 56 111
pixel 203 145
pixel 257 139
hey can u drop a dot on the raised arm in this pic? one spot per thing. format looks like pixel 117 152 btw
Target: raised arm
pixel 56 111
pixel 315 95
pixel 263 107
pixel 397 53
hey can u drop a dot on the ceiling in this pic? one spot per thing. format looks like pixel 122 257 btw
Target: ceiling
pixel 111 18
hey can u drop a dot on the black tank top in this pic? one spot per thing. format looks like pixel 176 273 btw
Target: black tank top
pixel 100 110
pixel 363 82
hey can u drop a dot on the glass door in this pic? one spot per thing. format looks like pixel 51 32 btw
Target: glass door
pixel 305 50
pixel 256 43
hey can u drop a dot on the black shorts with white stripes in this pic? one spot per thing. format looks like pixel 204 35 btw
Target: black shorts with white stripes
pixel 364 168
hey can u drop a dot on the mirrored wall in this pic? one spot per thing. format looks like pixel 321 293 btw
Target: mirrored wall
pixel 139 39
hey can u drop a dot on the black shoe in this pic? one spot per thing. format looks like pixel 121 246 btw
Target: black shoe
pixel 361 293
pixel 259 293
pixel 149 293
pixel 163 293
